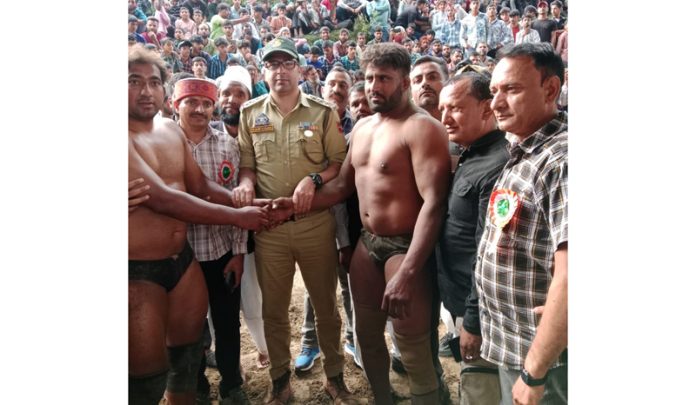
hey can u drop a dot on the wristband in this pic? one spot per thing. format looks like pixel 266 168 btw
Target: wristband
pixel 531 381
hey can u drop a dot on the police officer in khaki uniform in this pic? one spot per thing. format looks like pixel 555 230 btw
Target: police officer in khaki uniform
pixel 291 143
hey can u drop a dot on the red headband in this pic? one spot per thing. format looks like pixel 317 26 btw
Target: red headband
pixel 194 87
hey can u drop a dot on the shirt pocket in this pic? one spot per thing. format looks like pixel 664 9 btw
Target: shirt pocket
pixel 307 147
pixel 265 147
pixel 463 202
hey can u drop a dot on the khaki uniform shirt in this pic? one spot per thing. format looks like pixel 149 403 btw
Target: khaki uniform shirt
pixel 284 150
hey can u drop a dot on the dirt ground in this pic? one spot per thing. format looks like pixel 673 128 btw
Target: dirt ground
pixel 308 386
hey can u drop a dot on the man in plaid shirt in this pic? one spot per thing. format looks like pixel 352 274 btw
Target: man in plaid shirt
pixel 219 249
pixel 522 262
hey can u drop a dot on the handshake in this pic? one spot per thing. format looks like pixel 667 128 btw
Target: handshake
pixel 278 211
pixel 251 213
pixel 281 209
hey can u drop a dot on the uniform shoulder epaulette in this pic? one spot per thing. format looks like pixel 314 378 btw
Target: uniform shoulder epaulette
pixel 253 101
pixel 320 101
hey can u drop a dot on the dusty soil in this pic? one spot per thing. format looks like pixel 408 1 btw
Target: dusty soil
pixel 308 386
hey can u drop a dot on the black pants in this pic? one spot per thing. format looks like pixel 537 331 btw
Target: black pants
pixel 224 309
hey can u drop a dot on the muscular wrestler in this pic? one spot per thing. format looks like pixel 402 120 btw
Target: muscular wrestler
pixel 167 298
pixel 399 164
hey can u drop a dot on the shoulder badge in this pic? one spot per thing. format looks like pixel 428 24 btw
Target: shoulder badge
pixel 320 101
pixel 252 101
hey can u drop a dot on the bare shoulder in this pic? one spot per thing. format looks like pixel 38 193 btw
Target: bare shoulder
pixel 167 128
pixel 421 128
pixel 363 127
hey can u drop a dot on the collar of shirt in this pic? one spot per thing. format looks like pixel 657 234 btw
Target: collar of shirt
pixel 301 101
pixel 346 122
pixel 482 142
pixel 558 124
pixel 210 133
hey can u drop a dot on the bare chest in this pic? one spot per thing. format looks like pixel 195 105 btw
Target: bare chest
pixel 381 149
pixel 164 153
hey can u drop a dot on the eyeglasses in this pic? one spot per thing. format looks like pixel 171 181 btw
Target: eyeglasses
pixel 274 64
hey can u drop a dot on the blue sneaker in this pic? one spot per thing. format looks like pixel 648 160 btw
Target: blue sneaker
pixel 305 361
pixel 350 349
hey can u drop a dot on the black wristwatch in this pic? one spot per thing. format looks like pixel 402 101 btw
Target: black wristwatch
pixel 531 381
pixel 317 180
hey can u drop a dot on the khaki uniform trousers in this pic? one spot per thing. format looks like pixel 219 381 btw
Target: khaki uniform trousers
pixel 311 243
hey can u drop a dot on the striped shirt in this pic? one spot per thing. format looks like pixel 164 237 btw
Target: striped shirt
pixel 513 269
pixel 218 157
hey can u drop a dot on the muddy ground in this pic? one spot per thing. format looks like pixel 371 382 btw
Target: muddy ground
pixel 308 386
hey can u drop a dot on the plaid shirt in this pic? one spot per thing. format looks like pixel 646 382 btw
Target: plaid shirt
pixel 186 65
pixel 215 152
pixel 474 29
pixel 217 66
pixel 513 269
pixel 498 34
pixel 351 65
pixel 449 33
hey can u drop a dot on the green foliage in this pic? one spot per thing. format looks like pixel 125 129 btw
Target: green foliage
pixel 361 25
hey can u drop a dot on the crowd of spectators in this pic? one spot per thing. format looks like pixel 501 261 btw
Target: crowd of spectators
pixel 203 38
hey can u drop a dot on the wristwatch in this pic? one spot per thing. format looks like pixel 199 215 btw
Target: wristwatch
pixel 317 180
pixel 531 381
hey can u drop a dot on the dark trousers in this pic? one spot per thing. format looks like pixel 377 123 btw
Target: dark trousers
pixel 224 310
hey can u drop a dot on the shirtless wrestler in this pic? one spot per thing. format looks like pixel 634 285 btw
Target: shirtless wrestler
pixel 399 163
pixel 167 298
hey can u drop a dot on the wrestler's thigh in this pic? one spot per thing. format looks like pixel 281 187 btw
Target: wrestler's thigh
pixel 366 279
pixel 420 305
pixel 188 305
pixel 147 328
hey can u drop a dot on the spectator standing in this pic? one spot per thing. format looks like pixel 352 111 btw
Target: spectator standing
pixel 470 123
pixel 527 33
pixel 522 266
pixel 543 25
pixel 499 34
pixel 474 28
pixel 186 24
pixel 557 14
pixel 379 11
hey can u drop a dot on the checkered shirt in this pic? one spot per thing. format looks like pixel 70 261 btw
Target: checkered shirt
pixel 449 33
pixel 513 269
pixel 210 242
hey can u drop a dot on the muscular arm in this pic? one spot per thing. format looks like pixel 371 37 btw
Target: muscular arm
pixel 338 189
pixel 175 203
pixel 431 167
pixel 427 143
